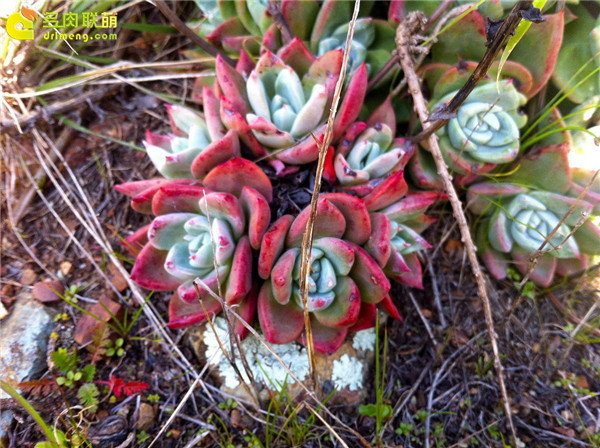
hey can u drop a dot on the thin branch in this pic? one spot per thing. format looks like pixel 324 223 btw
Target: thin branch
pixel 189 33
pixel 274 9
pixel 411 25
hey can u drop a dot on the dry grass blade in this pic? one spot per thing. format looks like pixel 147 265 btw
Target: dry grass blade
pixel 308 237
pixel 411 25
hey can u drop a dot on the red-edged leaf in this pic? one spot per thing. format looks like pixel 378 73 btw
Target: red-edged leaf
pixel 134 387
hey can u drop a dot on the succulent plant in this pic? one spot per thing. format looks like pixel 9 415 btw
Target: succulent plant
pixel 522 221
pixel 486 128
pixel 345 283
pixel 281 108
pixel 369 161
pixel 201 232
pixel 196 146
pixel 521 212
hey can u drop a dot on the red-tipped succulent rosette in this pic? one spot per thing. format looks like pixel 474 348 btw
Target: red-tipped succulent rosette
pixel 204 232
pixel 198 143
pixel 345 283
pixel 281 108
pixel 369 161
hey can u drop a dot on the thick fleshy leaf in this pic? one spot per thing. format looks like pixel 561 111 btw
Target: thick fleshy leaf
pixel 281 276
pixel 544 270
pixel 246 309
pixel 272 245
pixel 350 136
pixel 358 224
pixel 325 70
pixel 338 252
pixel 135 242
pixel 257 213
pixel 183 314
pixel 368 276
pixel 479 196
pixel 305 151
pixel 182 119
pixel 245 64
pixel 188 292
pixel 233 175
pixel 326 340
pixel 267 133
pixel 227 207
pixel 232 85
pixel 387 192
pixel 239 281
pixel 388 305
pixel 344 310
pixel 166 230
pixel 414 204
pixel 424 172
pixel 149 271
pixel 177 199
pixel 535 166
pixel 216 153
pixel 138 187
pixel 329 222
pixel 466 41
pixel 300 15
pixel 496 262
pixel 384 114
pixel 414 277
pixel 296 55
pixel 211 114
pixel 570 266
pixel 352 102
pixel 588 238
pixel 280 324
pixel 367 318
pixel 233 119
pixel 378 245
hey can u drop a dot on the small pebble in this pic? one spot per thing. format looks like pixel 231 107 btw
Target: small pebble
pixel 28 277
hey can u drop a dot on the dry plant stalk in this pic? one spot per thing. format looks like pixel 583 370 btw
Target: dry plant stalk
pixel 404 37
pixel 308 237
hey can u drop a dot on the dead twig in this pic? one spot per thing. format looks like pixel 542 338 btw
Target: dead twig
pixel 411 25
pixel 274 9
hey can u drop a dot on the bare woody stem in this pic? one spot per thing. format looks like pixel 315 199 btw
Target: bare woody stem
pixel 275 11
pixel 186 31
pixel 494 46
pixel 412 25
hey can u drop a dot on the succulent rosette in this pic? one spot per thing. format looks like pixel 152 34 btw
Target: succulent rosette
pixel 369 160
pixel 201 231
pixel 197 144
pixel 521 220
pixel 345 283
pixel 486 128
pixel 281 108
